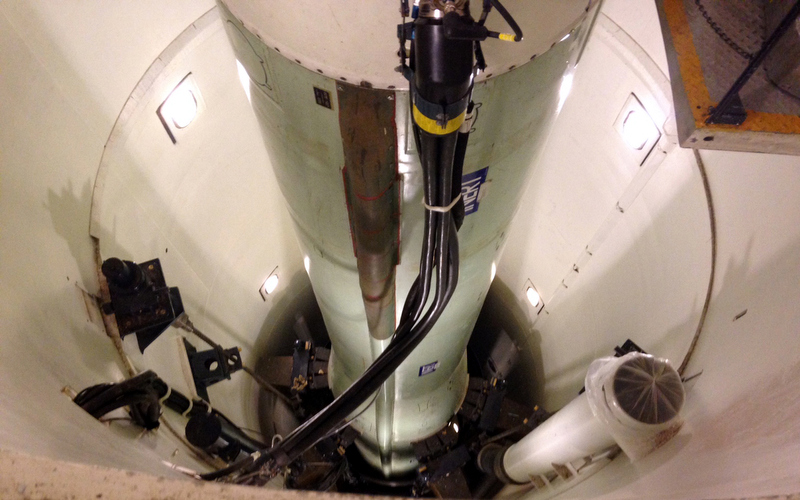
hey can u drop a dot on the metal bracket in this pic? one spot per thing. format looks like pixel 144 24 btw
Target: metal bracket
pixel 309 366
pixel 727 107
pixel 212 366
pixel 141 302
pixel 733 114
pixel 628 347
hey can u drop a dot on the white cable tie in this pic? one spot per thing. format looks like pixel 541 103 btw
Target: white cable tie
pixel 191 405
pixel 166 396
pixel 443 210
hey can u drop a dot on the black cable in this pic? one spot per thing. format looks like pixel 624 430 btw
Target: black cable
pixel 136 393
pixel 509 20
pixel 230 431
pixel 234 467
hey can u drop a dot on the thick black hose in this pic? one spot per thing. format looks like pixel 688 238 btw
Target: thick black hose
pixel 230 431
pixel 234 467
pixel 143 394
pixel 126 400
pixel 114 391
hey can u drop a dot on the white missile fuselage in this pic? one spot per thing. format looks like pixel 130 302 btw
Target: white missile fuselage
pixel 298 89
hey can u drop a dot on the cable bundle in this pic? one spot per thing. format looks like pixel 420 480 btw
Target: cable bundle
pixel 144 395
pixel 139 393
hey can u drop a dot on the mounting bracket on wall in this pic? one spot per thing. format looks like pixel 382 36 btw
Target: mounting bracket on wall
pixel 732 72
pixel 141 301
pixel 211 366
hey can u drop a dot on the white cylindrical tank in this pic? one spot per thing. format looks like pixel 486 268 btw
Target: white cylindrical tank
pixel 633 401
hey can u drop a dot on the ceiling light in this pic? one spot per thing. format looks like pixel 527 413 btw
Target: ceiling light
pixel 180 107
pixel 494 272
pixel 307 263
pixel 269 285
pixel 533 296
pixel 637 128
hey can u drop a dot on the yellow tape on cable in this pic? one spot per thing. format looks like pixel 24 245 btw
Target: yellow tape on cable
pixel 431 126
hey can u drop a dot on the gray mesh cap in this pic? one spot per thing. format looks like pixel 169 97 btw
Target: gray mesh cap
pixel 648 389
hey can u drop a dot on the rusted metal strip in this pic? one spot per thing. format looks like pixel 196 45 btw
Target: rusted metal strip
pixel 367 122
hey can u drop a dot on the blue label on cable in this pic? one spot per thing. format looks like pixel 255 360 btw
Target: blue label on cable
pixel 429 368
pixel 470 189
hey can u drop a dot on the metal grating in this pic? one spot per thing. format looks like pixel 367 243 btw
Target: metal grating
pixel 744 23
pixel 709 44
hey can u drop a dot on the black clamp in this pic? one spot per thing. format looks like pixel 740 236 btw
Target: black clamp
pixel 141 302
pixel 309 366
pixel 628 347
pixel 483 402
pixel 212 366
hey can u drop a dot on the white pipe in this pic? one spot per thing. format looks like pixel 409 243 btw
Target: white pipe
pixel 570 433
pixel 633 401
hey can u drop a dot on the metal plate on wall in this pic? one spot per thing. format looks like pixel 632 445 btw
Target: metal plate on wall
pixel 709 44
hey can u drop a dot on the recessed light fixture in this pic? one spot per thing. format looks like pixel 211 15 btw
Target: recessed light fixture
pixel 269 285
pixel 637 128
pixel 532 296
pixel 180 107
